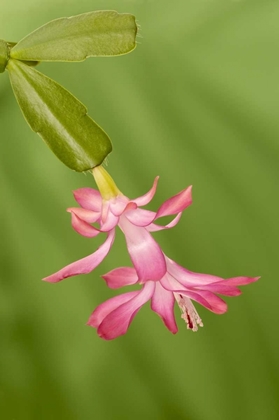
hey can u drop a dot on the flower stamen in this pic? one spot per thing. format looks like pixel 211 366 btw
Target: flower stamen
pixel 189 313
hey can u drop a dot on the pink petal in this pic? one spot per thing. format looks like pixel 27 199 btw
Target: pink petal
pixel 176 204
pixel 117 322
pixel 119 277
pixel 218 305
pixel 189 278
pixel 85 265
pixel 162 303
pixel 88 198
pixel 140 217
pixel 145 253
pixel 83 228
pixel 221 288
pixel 88 216
pixel 217 287
pixel 146 198
pixel 241 281
pixel 110 222
pixel 120 204
pixel 99 314
pixel 153 227
pixel 206 281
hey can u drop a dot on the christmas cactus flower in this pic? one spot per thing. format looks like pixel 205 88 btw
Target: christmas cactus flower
pixel 162 280
pixel 113 317
pixel 110 208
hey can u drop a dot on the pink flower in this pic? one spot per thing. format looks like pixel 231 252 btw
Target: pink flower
pixel 163 281
pixel 113 317
pixel 109 208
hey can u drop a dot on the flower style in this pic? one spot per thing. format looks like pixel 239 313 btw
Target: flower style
pixel 113 317
pixel 110 208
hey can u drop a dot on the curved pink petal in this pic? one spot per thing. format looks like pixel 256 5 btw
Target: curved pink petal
pixel 241 281
pixel 88 198
pixel 119 277
pixel 221 288
pixel 176 204
pixel 189 278
pixel 146 255
pixel 83 228
pixel 110 222
pixel 217 287
pixel 117 322
pixel 108 306
pixel 140 217
pixel 162 303
pixel 153 227
pixel 88 216
pixel 146 198
pixel 218 305
pixel 120 204
pixel 85 265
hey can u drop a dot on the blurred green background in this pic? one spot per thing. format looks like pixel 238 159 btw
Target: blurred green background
pixel 196 103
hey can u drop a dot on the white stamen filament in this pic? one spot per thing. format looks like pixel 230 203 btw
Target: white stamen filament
pixel 189 313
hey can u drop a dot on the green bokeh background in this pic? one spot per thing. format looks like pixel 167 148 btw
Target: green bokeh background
pixel 196 103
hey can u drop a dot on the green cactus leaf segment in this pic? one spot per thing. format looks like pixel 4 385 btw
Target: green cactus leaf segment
pixel 59 118
pixel 100 33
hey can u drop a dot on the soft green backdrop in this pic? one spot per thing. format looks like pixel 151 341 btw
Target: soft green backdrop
pixel 196 103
